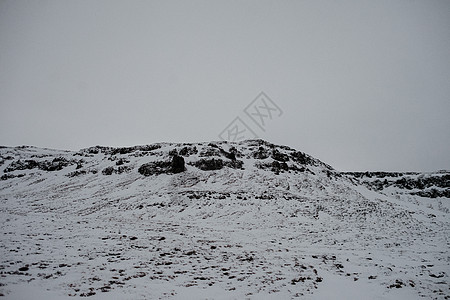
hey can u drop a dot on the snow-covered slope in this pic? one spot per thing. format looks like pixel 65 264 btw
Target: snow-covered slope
pixel 212 220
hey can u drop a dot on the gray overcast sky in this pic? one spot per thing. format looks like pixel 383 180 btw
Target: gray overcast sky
pixel 363 85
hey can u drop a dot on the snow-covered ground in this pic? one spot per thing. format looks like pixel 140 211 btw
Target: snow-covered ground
pixel 249 220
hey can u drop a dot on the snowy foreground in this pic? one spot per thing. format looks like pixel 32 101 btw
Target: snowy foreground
pixel 242 221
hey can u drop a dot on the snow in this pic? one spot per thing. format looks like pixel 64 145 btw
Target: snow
pixel 223 234
pixel 339 287
pixel 22 291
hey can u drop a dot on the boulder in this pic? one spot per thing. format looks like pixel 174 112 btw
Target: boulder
pixel 178 164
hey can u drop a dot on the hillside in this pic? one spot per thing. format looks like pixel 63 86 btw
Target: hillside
pixel 217 220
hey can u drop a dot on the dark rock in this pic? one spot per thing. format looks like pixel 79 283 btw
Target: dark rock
pixel 209 164
pixel 231 154
pixel 121 150
pixel 301 158
pixel 277 155
pixel 398 284
pixel 21 165
pixel 87 294
pixel 55 165
pixel 7 176
pixel 123 169
pixel 261 153
pixel 187 151
pixel 300 279
pixel 278 167
pixel 200 278
pixel 430 186
pixel 126 150
pixel 210 151
pixel 81 172
pixel 234 164
pixel 433 193
pixel 173 152
pixel 155 168
pixel 122 161
pixel 440 275
pixel 108 171
pixel 178 164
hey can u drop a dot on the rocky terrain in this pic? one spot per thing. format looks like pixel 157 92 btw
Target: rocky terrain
pixel 217 221
pixel 430 185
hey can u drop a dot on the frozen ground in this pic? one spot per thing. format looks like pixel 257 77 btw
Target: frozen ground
pixel 256 229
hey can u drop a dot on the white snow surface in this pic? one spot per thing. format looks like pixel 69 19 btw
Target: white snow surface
pixel 245 233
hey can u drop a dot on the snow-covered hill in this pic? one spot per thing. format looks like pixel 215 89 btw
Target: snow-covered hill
pixel 218 221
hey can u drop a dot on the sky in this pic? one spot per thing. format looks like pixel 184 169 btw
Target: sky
pixel 361 85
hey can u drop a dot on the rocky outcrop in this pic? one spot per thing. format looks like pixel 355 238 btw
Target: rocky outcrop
pixel 431 185
pixel 177 164
pixel 209 164
pixel 155 168
pixel 56 164
pixel 113 170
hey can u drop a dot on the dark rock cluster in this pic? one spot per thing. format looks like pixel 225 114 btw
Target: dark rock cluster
pixel 262 153
pixel 213 164
pixel 112 170
pixel 187 151
pixel 56 164
pixel 210 151
pixel 278 156
pixel 302 158
pixel 431 185
pixel 176 165
pixel 209 164
pixel 215 150
pixel 10 176
pixel 82 172
pixel 155 168
pixel 121 150
pixel 424 182
pixel 433 193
